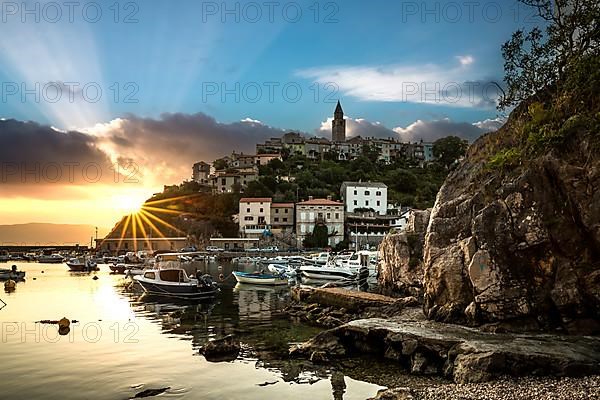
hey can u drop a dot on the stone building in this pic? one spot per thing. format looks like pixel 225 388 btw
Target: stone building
pixel 320 211
pixel 338 125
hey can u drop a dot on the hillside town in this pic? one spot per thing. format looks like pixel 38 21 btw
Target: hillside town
pixel 361 218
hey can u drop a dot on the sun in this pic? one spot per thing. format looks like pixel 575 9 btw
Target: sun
pixel 127 204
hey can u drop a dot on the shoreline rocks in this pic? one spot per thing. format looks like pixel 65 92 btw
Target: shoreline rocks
pixel 462 354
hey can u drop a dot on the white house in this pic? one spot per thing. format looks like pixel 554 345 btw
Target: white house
pixel 320 211
pixel 364 195
pixel 255 216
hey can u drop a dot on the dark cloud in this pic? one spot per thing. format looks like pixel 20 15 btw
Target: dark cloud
pixel 39 155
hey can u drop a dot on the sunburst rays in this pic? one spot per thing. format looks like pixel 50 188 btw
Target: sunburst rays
pixel 150 220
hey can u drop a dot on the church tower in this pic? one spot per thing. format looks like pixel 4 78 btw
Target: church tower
pixel 338 126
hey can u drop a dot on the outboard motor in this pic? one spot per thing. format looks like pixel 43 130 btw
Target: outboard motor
pixel 363 275
pixel 205 281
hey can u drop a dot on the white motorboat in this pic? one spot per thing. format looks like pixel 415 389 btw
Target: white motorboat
pixel 329 272
pixel 174 282
pixel 359 259
pixel 282 269
pixel 320 258
pixel 259 278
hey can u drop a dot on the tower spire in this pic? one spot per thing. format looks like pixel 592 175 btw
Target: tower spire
pixel 338 126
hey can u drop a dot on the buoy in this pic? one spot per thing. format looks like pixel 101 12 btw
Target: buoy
pixel 10 285
pixel 64 323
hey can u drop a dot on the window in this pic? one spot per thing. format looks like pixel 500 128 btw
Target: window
pixel 285 220
pixel 150 275
pixel 378 203
pixel 276 219
pixel 286 210
pixel 355 202
pixel 224 181
pixel 366 202
pixel 328 215
pixel 337 216
pixel 355 192
pixel 261 210
pixel 248 218
pixel 277 211
pixel 367 193
pixel 247 210
pixel 378 193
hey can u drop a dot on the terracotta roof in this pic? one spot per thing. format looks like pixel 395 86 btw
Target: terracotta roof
pixel 320 202
pixel 256 200
pixel 282 205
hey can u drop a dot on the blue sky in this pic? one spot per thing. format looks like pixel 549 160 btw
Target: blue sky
pixel 177 52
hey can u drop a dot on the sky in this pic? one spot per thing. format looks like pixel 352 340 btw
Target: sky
pixel 102 103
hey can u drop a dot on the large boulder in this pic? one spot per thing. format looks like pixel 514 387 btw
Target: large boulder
pixel 518 246
pixel 401 257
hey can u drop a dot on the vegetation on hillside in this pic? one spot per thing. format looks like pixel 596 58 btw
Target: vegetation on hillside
pixel 554 77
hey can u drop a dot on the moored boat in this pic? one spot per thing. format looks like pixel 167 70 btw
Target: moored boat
pixel 51 259
pixel 12 274
pixel 259 278
pixel 174 282
pixel 81 265
pixel 326 272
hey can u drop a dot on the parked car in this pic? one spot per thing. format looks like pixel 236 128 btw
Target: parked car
pixel 188 249
pixel 253 250
pixel 213 249
pixel 271 249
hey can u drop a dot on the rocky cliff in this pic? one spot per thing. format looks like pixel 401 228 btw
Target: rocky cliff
pixel 514 236
pixel 401 258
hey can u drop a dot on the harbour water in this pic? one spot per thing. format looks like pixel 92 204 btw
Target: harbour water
pixel 124 342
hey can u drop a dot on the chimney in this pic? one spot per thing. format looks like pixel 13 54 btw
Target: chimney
pixel 310 198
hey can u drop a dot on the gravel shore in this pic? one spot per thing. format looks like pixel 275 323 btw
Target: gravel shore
pixel 523 388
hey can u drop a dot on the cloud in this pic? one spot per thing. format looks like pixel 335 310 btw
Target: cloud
pixel 428 131
pixel 39 155
pixel 165 148
pixel 465 60
pixel 490 125
pixel 357 127
pixel 142 151
pixel 450 85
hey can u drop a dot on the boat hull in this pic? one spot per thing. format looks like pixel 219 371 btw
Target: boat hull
pixel 175 289
pixel 81 268
pixel 259 279
pixel 326 273
pixel 5 275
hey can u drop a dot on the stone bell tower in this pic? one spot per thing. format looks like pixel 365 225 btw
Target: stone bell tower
pixel 338 126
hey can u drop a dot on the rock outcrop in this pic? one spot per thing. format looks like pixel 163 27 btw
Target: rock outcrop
pixel 518 246
pixel 460 353
pixel 401 258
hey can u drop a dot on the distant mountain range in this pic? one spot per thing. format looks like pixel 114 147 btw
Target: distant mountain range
pixel 45 234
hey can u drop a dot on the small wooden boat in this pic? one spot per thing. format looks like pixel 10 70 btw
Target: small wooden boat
pixel 259 278
pixel 174 282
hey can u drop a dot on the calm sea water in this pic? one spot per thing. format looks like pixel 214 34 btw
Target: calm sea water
pixel 125 342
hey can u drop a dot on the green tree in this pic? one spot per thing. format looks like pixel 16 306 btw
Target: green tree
pixel 449 149
pixel 538 59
